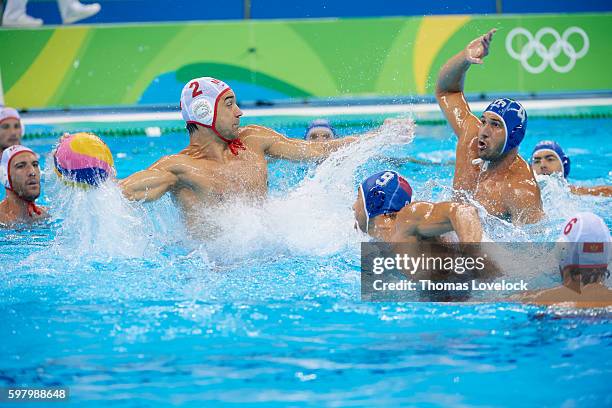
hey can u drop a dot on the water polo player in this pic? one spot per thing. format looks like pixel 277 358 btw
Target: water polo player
pixel 222 160
pixel 20 171
pixel 11 128
pixel 320 129
pixel 585 247
pixel 384 210
pixel 488 166
pixel 548 158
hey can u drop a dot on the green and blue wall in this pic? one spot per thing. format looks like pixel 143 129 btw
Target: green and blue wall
pixel 147 64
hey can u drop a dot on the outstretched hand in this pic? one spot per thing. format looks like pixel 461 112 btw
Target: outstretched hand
pixel 479 48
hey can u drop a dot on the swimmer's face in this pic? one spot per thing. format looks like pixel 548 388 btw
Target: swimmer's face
pixel 228 116
pixel 546 162
pixel 491 136
pixel 359 211
pixel 25 176
pixel 10 133
pixel 320 135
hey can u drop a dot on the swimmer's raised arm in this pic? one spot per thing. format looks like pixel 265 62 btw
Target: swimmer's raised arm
pixel 282 147
pixel 150 184
pixel 449 88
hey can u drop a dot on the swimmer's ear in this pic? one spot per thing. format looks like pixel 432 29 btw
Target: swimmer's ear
pixel 376 199
pixel 575 281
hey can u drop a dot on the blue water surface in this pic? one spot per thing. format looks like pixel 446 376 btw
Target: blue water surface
pixel 118 303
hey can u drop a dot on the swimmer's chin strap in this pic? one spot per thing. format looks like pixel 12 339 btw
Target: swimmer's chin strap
pixel 33 209
pixel 233 144
pixel 484 164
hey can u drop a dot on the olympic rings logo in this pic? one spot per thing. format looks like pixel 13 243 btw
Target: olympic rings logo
pixel 548 55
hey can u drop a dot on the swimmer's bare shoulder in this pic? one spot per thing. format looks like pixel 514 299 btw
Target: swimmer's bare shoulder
pixel 7 222
pixel 4 220
pixel 257 137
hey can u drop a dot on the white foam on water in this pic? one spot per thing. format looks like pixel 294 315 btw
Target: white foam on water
pixel 316 218
pixel 437 156
pixel 99 223
pixel 560 203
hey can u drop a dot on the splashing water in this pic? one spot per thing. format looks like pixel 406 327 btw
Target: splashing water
pixel 98 223
pixel 314 218
pixel 284 316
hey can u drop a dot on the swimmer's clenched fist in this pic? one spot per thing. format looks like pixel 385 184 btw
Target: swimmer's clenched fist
pixel 479 48
pixel 488 167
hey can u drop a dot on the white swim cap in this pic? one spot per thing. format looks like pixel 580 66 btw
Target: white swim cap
pixel 586 242
pixel 199 100
pixel 8 113
pixel 5 163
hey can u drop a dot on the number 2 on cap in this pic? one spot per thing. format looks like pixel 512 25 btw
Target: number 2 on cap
pixel 196 89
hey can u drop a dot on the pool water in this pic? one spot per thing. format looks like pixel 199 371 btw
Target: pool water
pixel 117 302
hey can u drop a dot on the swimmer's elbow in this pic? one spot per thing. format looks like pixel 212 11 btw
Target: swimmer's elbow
pixel 462 212
pixel 466 223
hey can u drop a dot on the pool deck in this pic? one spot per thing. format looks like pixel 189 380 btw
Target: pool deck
pixel 417 110
pixel 153 121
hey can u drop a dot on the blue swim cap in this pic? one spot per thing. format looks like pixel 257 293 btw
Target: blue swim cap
pixel 319 124
pixel 554 146
pixel 514 117
pixel 385 192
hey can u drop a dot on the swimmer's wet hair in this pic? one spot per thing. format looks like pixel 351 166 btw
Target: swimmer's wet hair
pixel 588 277
pixel 191 128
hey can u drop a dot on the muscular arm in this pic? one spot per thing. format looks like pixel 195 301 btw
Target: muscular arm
pixel 429 220
pixel 279 146
pixel 449 88
pixel 601 191
pixel 150 184
pixel 450 97
pixel 466 222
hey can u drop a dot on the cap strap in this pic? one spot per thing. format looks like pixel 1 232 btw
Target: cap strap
pixel 233 144
pixel 33 209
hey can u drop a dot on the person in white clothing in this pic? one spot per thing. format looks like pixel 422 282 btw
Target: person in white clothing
pixel 71 11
